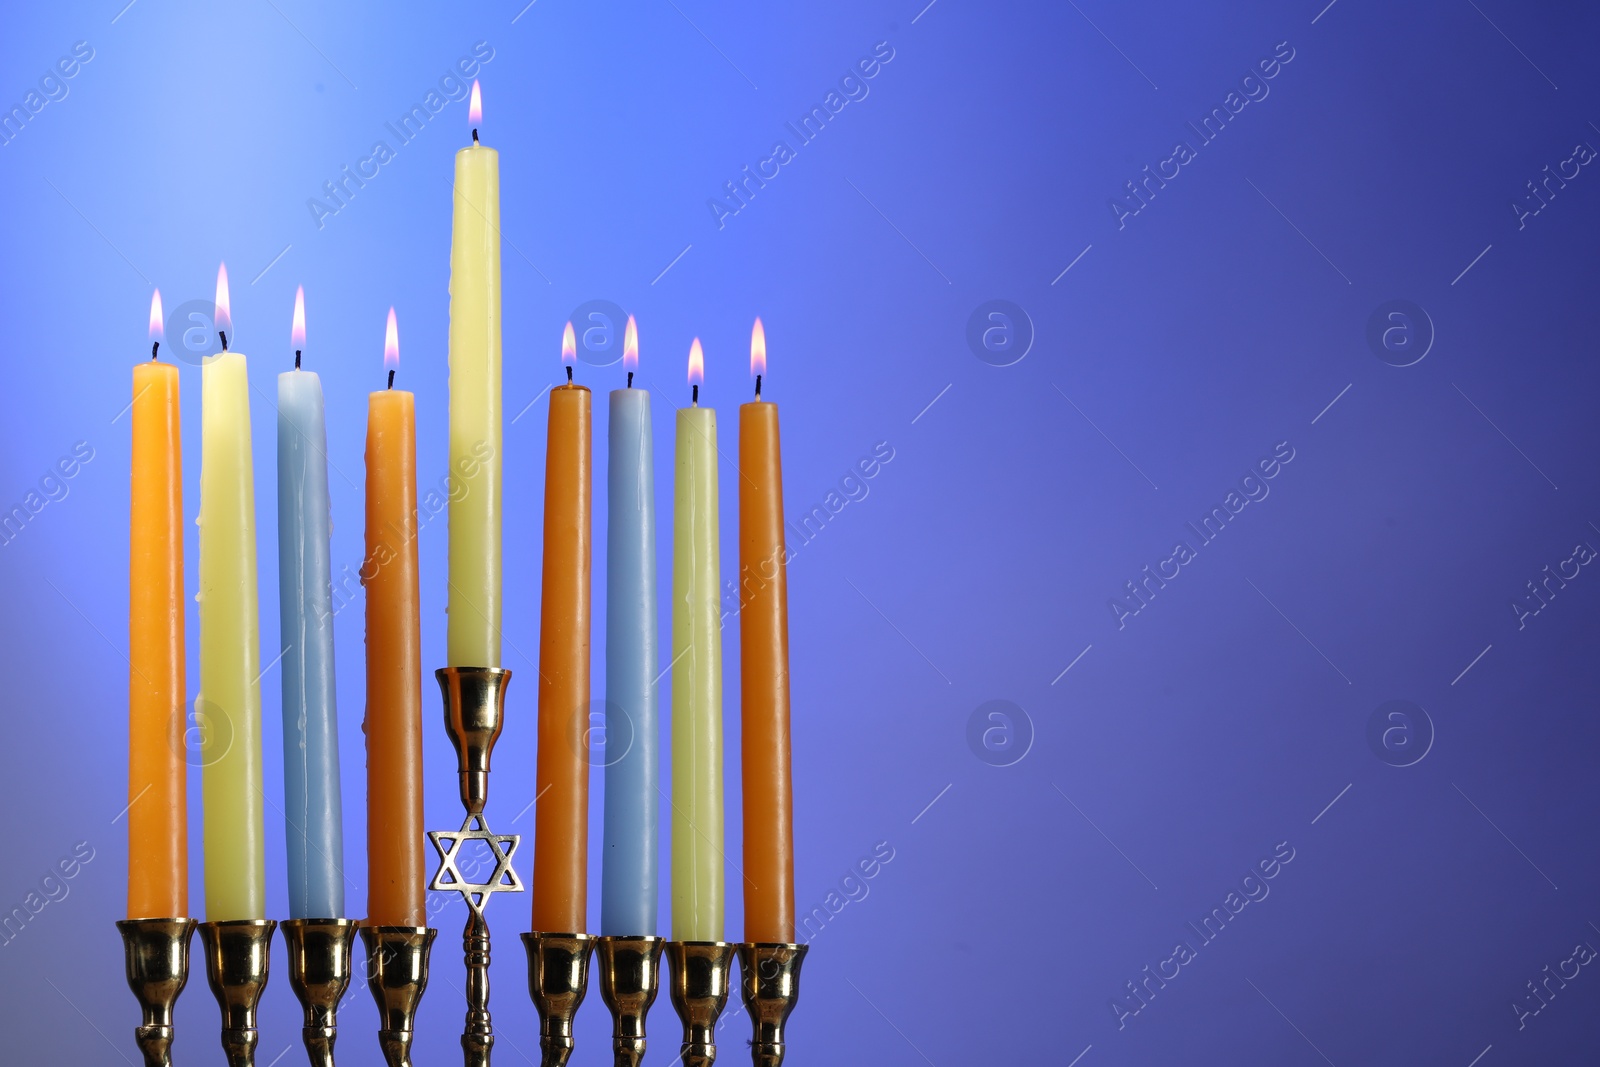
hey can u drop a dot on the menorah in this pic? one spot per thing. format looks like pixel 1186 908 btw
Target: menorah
pixel 237 953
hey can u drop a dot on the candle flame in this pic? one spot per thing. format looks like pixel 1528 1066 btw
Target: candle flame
pixel 569 346
pixel 630 346
pixel 223 319
pixel 697 364
pixel 475 108
pixel 758 348
pixel 391 343
pixel 297 332
pixel 157 329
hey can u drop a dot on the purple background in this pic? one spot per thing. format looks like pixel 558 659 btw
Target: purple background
pixel 1152 764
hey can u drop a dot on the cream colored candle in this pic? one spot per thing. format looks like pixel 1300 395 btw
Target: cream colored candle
pixel 473 637
pixel 228 708
pixel 697 876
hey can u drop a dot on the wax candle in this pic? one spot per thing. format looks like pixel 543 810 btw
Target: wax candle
pixel 473 637
pixel 395 868
pixel 630 881
pixel 228 708
pixel 697 879
pixel 158 840
pixel 313 820
pixel 561 835
pixel 764 669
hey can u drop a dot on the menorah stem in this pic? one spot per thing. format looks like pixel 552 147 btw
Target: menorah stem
pixel 477 1040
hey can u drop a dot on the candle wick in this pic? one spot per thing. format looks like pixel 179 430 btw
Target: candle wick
pixel 297 360
pixel 694 398
pixel 154 347
pixel 224 337
pixel 630 379
pixel 391 377
pixel 758 387
pixel 569 374
pixel 474 135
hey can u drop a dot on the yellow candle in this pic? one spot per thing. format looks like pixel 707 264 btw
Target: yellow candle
pixel 697 876
pixel 475 411
pixel 228 708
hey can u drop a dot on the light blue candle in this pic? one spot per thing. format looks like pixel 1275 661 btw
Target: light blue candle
pixel 313 821
pixel 630 872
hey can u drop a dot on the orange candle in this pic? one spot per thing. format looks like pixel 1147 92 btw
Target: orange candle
pixel 395 864
pixel 158 841
pixel 561 833
pixel 764 670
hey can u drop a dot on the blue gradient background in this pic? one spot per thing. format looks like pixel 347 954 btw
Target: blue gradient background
pixel 1176 752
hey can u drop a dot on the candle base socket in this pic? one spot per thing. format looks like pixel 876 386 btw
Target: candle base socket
pixel 770 985
pixel 474 714
pixel 397 975
pixel 156 956
pixel 319 973
pixel 630 977
pixel 237 960
pixel 558 977
pixel 699 990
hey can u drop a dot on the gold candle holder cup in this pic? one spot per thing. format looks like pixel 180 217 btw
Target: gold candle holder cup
pixel 630 978
pixel 397 976
pixel 156 960
pixel 319 973
pixel 699 990
pixel 238 961
pixel 558 978
pixel 770 985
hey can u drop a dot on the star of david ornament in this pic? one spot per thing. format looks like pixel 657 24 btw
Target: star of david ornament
pixel 451 878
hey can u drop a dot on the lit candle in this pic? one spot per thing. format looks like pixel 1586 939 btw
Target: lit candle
pixel 697 879
pixel 395 870
pixel 764 669
pixel 561 834
pixel 313 821
pixel 473 637
pixel 158 840
pixel 629 877
pixel 228 708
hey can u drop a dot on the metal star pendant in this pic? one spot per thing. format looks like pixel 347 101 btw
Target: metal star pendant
pixel 451 877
